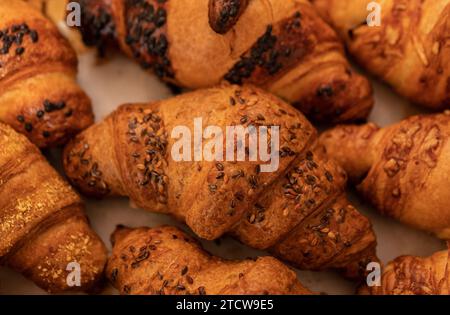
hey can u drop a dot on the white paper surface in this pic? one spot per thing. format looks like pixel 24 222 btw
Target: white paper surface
pixel 119 81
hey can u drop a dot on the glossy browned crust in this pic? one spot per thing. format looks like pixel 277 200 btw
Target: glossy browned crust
pixel 306 219
pixel 402 169
pixel 410 50
pixel 281 46
pixel 42 225
pixel 165 260
pixel 415 275
pixel 39 68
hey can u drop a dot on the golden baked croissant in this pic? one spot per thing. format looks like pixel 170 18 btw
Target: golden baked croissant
pixel 410 50
pixel 39 96
pixel 165 260
pixel 403 169
pixel 306 219
pixel 42 225
pixel 282 46
pixel 415 275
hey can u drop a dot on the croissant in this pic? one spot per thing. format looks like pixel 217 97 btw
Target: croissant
pixel 282 46
pixel 415 275
pixel 306 219
pixel 165 260
pixel 403 169
pixel 42 225
pixel 39 96
pixel 410 49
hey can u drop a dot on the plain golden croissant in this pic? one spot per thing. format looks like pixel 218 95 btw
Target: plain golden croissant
pixel 410 50
pixel 282 46
pixel 42 225
pixel 165 260
pixel 415 275
pixel 306 219
pixel 39 96
pixel 403 169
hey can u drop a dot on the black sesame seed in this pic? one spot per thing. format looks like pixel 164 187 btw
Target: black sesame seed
pixel 28 127
pixel 34 36
pixel 60 105
pixel 310 180
pixel 46 134
pixel 20 118
pixel 69 113
pixel 48 106
pixel 20 51
pixel 325 91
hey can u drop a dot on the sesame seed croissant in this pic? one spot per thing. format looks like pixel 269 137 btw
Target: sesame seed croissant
pixel 402 169
pixel 415 275
pixel 39 96
pixel 298 212
pixel 165 260
pixel 281 46
pixel 43 230
pixel 410 50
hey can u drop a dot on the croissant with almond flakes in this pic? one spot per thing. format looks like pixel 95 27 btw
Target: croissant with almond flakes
pixel 39 96
pixel 410 49
pixel 281 46
pixel 298 211
pixel 408 275
pixel 402 169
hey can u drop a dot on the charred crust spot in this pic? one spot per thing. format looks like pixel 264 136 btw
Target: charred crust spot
pixel 325 91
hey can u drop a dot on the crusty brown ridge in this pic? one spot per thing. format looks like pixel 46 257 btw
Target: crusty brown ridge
pixel 306 218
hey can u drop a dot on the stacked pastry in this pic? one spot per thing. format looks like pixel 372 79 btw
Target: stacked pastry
pixel 306 218
pixel 282 46
pixel 298 211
